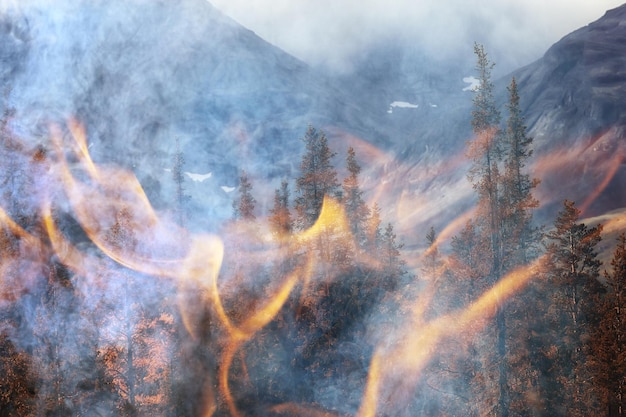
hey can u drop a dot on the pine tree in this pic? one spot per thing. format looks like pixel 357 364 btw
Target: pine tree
pixel 519 240
pixel 179 180
pixel 486 152
pixel 374 232
pixel 431 256
pixel 243 206
pixel 573 262
pixel 393 266
pixel 280 216
pixel 121 356
pixel 608 339
pixel 573 269
pixel 356 209
pixel 518 201
pixel 318 178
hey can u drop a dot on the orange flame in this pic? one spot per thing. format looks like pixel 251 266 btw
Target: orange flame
pixel 419 339
pixel 99 194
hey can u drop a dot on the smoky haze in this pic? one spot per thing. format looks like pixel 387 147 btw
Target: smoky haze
pixel 119 310
pixel 337 35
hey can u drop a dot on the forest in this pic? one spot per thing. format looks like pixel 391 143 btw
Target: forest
pixel 108 308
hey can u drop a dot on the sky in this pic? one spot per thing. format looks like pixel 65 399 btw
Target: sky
pixel 333 34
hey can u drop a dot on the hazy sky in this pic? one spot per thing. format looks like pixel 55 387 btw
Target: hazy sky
pixel 336 32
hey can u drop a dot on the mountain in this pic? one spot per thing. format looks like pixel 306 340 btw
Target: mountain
pixel 573 102
pixel 143 73
pixel 139 74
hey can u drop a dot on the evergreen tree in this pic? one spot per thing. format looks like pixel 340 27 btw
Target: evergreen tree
pixel 356 209
pixel 518 201
pixel 64 353
pixel 280 216
pixel 318 178
pixel 519 240
pixel 243 206
pixel 393 266
pixel 179 180
pixel 121 356
pixel 572 268
pixel 486 154
pixel 608 339
pixel 133 353
pixel 431 257
pixel 374 232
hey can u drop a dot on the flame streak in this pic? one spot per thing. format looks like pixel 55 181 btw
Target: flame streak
pixel 97 195
pixel 239 336
pixel 414 351
pixel 614 166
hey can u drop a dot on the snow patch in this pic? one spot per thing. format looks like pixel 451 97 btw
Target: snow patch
pixel 228 189
pixel 402 104
pixel 198 177
pixel 473 82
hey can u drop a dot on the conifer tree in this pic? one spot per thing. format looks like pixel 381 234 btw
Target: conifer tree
pixel 518 201
pixel 374 232
pixel 431 257
pixel 393 266
pixel 609 337
pixel 243 206
pixel 356 209
pixel 280 216
pixel 122 355
pixel 519 239
pixel 486 154
pixel 318 178
pixel 179 180
pixel 573 268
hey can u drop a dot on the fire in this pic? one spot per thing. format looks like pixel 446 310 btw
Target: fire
pixel 418 340
pixel 102 197
pixel 614 165
pixel 596 159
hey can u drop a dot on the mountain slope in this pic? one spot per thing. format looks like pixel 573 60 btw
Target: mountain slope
pixel 141 73
pixel 573 103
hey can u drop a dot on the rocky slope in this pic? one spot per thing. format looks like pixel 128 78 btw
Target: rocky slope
pixel 142 73
pixel 573 101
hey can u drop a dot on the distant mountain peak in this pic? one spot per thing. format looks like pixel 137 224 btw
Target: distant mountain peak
pixel 573 100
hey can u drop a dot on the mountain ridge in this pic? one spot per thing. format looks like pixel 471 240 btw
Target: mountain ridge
pixel 571 102
pixel 143 73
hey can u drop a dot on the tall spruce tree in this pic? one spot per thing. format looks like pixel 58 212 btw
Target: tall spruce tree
pixel 486 152
pixel 519 234
pixel 318 178
pixel 393 266
pixel 374 231
pixel 608 339
pixel 432 259
pixel 356 209
pixel 179 181
pixel 280 216
pixel 519 246
pixel 573 269
pixel 243 206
